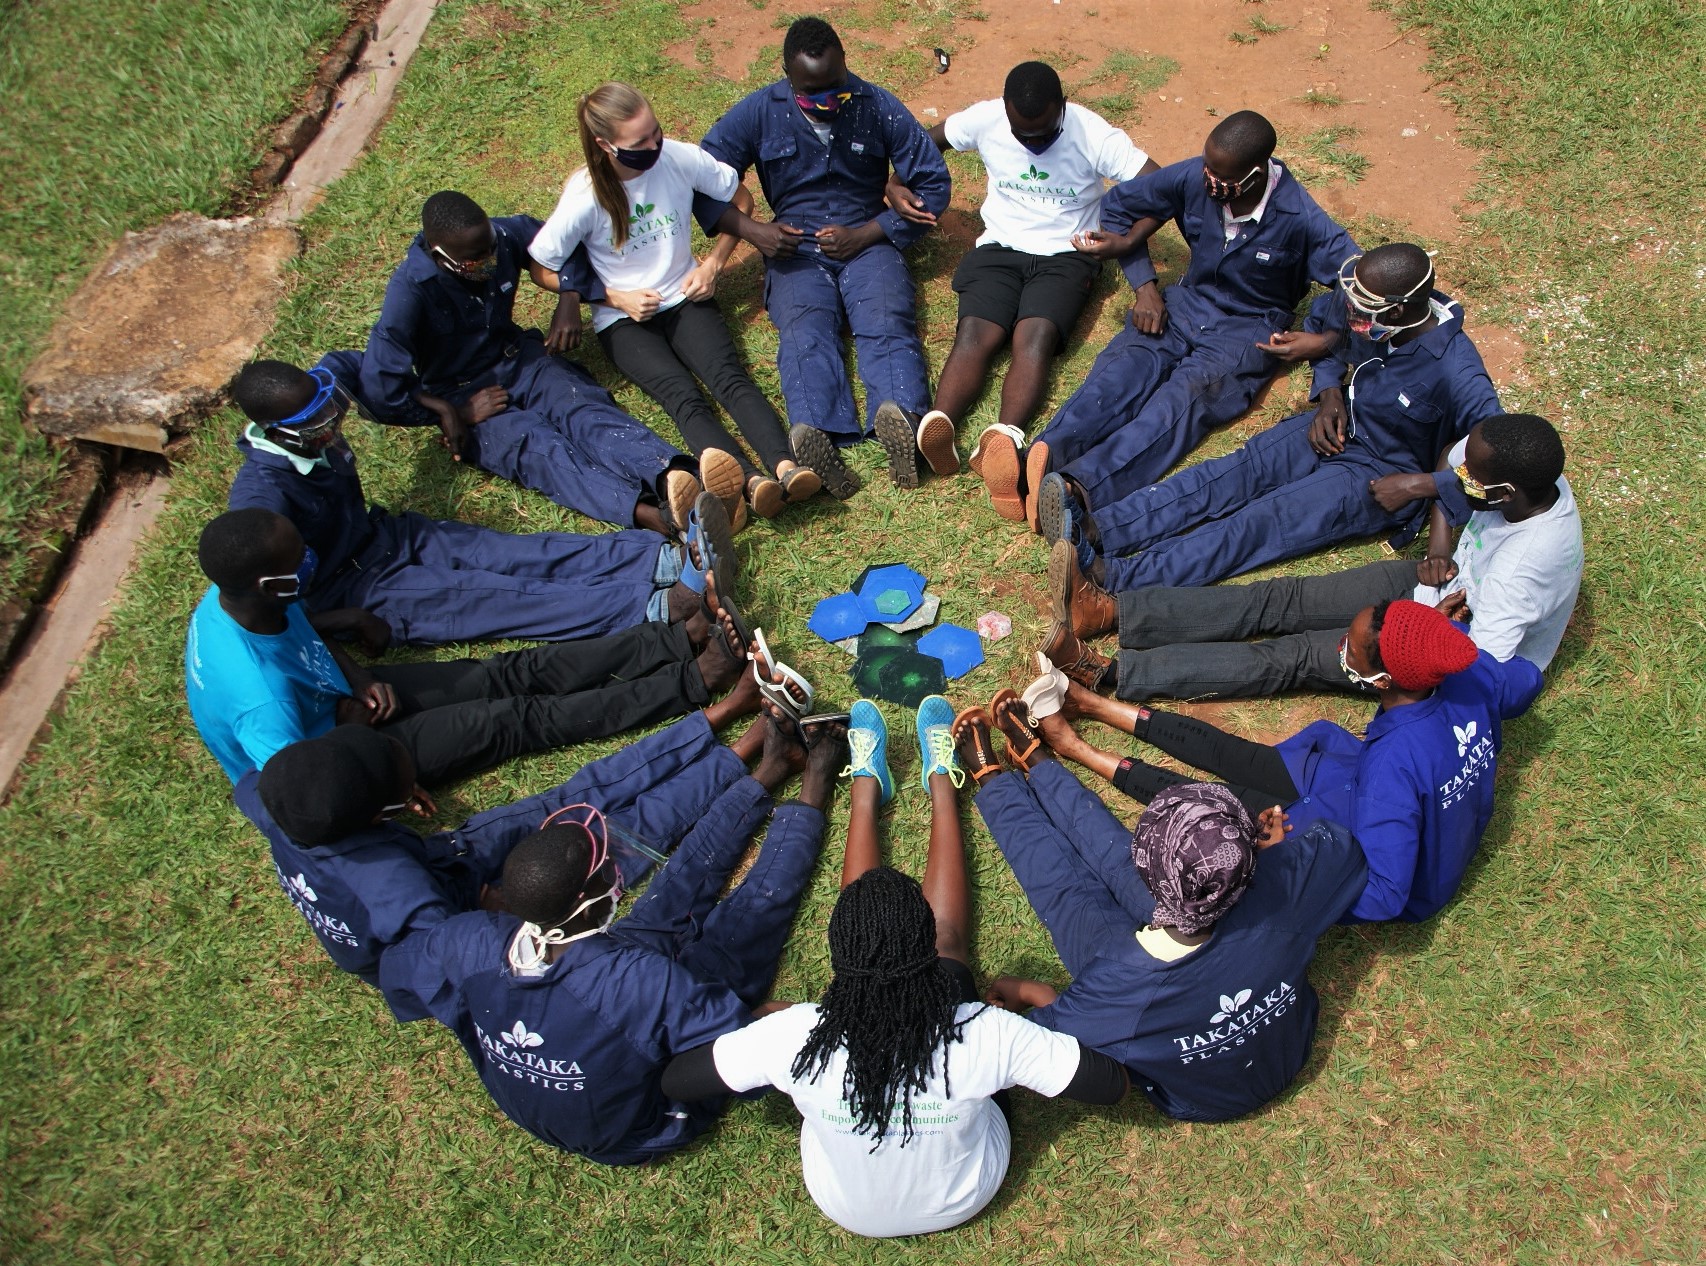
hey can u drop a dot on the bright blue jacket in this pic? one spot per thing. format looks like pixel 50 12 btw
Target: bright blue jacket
pixel 1265 272
pixel 809 184
pixel 1417 792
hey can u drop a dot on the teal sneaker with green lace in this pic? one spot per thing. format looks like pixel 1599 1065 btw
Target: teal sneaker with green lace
pixel 868 742
pixel 936 741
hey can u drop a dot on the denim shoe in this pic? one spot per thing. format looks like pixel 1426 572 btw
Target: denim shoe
pixel 1061 517
pixel 936 741
pixel 868 744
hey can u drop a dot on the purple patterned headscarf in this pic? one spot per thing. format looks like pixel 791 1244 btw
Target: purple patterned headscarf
pixel 1195 847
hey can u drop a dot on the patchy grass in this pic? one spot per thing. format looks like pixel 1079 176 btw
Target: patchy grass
pixel 1323 154
pixel 184 1078
pixel 117 115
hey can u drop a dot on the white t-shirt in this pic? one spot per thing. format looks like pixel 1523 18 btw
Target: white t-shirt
pixel 958 1154
pixel 658 254
pixel 1521 579
pixel 1036 202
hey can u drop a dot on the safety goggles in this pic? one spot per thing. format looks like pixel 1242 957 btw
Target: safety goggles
pixel 315 425
pixel 477 269
pixel 1371 303
pixel 1474 489
pixel 1377 681
pixel 1226 190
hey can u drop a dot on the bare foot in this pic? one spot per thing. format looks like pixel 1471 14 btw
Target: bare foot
pixel 784 754
pixel 742 701
pixel 824 761
pixel 975 746
pixel 723 658
pixel 1058 733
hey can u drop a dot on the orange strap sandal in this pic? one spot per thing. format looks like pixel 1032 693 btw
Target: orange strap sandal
pixel 1013 719
pixel 980 760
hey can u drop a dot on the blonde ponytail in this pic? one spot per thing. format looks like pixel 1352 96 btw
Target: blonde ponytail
pixel 600 112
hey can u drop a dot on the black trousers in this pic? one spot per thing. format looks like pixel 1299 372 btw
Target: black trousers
pixel 663 354
pixel 1254 772
pixel 465 715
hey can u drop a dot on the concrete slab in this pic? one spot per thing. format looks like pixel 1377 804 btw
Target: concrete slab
pixel 153 337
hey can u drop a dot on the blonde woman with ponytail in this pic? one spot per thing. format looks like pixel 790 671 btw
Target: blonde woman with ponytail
pixel 631 207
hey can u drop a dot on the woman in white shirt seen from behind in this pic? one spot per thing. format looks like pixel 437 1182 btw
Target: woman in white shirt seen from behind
pixel 632 208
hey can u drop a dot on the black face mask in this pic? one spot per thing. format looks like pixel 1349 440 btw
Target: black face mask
pixel 1038 144
pixel 639 159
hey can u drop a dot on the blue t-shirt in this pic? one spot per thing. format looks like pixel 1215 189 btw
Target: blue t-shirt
pixel 251 694
pixel 574 1055
pixel 1223 1030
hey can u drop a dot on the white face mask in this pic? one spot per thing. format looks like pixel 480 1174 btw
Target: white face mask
pixel 527 953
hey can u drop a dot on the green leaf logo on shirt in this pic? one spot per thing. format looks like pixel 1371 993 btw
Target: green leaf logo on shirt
pixel 1033 174
pixel 641 209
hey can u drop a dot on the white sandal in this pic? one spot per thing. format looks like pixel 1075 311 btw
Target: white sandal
pixel 765 665
pixel 1047 693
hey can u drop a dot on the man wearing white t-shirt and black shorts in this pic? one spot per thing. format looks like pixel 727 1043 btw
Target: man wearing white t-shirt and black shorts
pixel 1513 577
pixel 1047 159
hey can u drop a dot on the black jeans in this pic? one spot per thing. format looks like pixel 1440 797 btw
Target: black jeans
pixel 663 354
pixel 465 715
pixel 1254 772
pixel 1186 643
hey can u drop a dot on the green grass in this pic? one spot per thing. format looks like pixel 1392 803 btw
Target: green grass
pixel 184 1078
pixel 117 115
pixel 1323 154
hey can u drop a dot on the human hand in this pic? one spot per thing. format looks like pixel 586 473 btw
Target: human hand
pixel 372 634
pixel 1099 243
pixel 485 403
pixel 906 204
pixel 840 242
pixel 1292 346
pixel 638 305
pixel 773 240
pixel 1455 606
pixel 1271 826
pixel 452 431
pixel 1327 431
pixel 1148 309
pixel 1435 570
pixel 1014 993
pixel 421 804
pixel 566 327
pixel 1394 492
pixel 701 283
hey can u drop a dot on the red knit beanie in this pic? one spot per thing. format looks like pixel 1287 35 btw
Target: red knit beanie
pixel 1420 647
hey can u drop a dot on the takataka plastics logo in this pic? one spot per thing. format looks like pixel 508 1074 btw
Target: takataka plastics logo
pixel 1033 174
pixel 520 1037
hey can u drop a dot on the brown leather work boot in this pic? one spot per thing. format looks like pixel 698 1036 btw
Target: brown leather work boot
pixel 1063 649
pixel 1078 601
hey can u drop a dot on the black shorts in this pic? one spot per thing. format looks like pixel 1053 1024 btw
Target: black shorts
pixel 963 979
pixel 999 284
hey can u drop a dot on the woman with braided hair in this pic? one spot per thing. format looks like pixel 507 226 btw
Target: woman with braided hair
pixel 899 1071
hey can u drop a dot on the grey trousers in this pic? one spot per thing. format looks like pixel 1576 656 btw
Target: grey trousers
pixel 1187 643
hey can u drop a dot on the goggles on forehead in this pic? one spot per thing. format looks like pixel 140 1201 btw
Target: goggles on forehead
pixel 1475 489
pixel 317 421
pixel 1371 303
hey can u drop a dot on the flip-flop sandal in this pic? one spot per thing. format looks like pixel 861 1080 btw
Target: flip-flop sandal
pixel 1015 727
pixel 815 728
pixel 800 484
pixel 765 665
pixel 987 763
pixel 742 629
pixel 715 539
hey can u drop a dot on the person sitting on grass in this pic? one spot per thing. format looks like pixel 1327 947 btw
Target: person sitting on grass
pixel 439 580
pixel 446 352
pixel 1416 791
pixel 259 676
pixel 824 143
pixel 1193 357
pixel 570 1014
pixel 363 881
pixel 1047 160
pixel 899 1073
pixel 656 313
pixel 1513 578
pixel 1188 939
pixel 1404 385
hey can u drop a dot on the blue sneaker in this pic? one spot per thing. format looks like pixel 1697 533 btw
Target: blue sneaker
pixel 936 741
pixel 868 743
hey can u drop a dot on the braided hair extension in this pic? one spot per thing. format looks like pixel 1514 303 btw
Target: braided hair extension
pixel 891 1003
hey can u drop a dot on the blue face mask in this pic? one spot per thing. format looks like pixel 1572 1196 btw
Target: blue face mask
pixel 822 106
pixel 299 580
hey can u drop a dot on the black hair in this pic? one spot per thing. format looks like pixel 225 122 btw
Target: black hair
pixel 891 1004
pixel 268 390
pixel 326 789
pixel 1032 88
pixel 811 36
pixel 1377 622
pixel 545 876
pixel 1527 453
pixel 1245 137
pixel 448 212
pixel 236 548
pixel 1395 269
